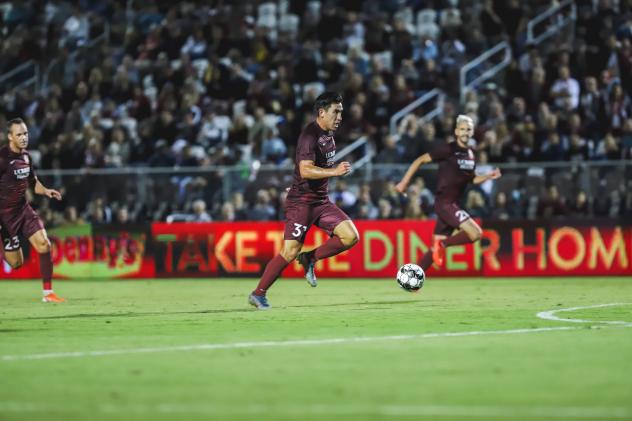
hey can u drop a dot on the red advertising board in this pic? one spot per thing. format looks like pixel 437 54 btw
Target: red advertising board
pixel 533 248
pixel 212 250
pixel 243 249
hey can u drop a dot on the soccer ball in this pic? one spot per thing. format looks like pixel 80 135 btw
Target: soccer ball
pixel 411 277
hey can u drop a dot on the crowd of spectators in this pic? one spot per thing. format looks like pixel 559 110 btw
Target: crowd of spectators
pixel 202 84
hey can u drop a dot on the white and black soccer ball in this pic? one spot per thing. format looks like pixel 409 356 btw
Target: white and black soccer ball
pixel 411 277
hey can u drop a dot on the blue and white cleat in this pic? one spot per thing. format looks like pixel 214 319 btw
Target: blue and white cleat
pixel 308 264
pixel 259 301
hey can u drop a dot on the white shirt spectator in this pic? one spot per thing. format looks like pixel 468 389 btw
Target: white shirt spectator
pixel 565 90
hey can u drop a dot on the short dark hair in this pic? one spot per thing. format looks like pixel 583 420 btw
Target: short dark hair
pixel 325 99
pixel 13 122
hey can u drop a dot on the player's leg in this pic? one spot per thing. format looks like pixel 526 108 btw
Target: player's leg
pixel 469 232
pixel 14 258
pixel 273 270
pixel 33 228
pixel 453 216
pixel 41 244
pixel 434 255
pixel 344 235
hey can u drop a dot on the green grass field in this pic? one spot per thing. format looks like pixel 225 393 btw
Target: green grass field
pixel 349 349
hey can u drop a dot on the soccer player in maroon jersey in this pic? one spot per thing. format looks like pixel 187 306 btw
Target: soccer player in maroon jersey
pixel 16 215
pixel 307 201
pixel 456 169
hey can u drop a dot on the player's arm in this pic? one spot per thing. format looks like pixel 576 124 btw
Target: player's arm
pixel 492 175
pixel 50 193
pixel 309 171
pixel 422 160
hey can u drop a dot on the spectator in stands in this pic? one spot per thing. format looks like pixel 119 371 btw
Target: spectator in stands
pixel 580 207
pixel 475 204
pixel 227 212
pixel 552 204
pixel 390 153
pixel 262 209
pixel 565 90
pixel 162 156
pixel 199 212
pixel 241 211
pixel 122 215
pixel 608 148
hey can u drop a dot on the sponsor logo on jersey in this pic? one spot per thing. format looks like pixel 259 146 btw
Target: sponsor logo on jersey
pixel 466 164
pixel 22 173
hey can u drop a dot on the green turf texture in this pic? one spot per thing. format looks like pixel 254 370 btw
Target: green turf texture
pixel 584 373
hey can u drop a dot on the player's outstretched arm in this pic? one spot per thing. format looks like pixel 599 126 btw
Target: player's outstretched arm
pixel 50 193
pixel 492 175
pixel 309 171
pixel 423 159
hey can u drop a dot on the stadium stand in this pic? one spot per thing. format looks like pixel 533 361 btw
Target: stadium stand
pixel 212 95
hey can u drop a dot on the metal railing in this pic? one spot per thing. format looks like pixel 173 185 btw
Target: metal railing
pixel 22 77
pixel 554 19
pixel 155 187
pixel 435 94
pixel 480 64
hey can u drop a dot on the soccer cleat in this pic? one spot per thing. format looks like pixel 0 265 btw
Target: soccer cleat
pixel 259 301
pixel 438 253
pixel 52 298
pixel 308 264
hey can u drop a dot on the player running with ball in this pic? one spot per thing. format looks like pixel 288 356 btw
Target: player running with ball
pixel 456 169
pixel 307 201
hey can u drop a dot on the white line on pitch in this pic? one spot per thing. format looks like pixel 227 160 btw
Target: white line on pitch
pixel 335 409
pixel 547 315
pixel 270 344
pixel 550 315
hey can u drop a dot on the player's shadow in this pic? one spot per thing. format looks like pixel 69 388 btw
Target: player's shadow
pixel 130 314
pixel 372 303
pixel 216 311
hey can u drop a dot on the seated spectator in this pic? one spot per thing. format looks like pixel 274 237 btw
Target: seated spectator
pixel 552 204
pixel 580 207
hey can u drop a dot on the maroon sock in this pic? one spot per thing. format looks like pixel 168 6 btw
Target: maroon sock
pixel 457 239
pixel 271 273
pixel 46 269
pixel 426 260
pixel 331 247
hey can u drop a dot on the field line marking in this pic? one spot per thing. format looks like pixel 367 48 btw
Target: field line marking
pixel 269 344
pixel 546 315
pixel 550 315
pixel 391 410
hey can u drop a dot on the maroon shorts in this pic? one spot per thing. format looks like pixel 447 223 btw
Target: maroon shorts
pixel 299 217
pixel 25 222
pixel 449 217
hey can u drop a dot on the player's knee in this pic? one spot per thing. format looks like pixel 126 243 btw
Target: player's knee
pixel 352 240
pixel 43 246
pixel 289 255
pixel 17 264
pixel 475 234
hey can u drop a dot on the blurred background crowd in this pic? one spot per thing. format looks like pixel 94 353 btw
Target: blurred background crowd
pixel 206 85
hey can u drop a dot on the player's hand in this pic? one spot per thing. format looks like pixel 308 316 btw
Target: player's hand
pixel 52 194
pixel 494 174
pixel 401 187
pixel 343 168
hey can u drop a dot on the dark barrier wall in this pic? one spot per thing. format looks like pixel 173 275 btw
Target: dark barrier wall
pixel 527 248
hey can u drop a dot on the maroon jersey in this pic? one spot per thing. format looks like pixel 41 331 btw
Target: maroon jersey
pixel 314 144
pixel 456 170
pixel 16 172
